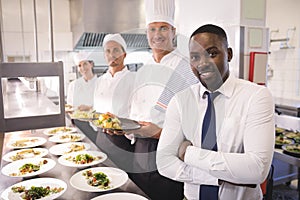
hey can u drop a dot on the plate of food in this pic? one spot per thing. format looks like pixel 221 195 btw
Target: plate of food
pixel 110 121
pixel 292 135
pixel 25 153
pixel 41 188
pixel 85 115
pixel 67 137
pixel 28 167
pixel 99 179
pixel 120 196
pixel 281 140
pixel 292 149
pixel 82 159
pixel 69 147
pixel 58 130
pixel 69 108
pixel 279 130
pixel 26 142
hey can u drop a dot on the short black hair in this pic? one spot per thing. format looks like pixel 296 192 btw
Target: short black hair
pixel 211 28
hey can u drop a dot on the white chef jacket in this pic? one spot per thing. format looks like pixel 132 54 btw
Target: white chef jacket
pixel 245 139
pixel 81 92
pixel 151 80
pixel 112 93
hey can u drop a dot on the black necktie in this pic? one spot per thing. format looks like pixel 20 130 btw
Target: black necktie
pixel 209 141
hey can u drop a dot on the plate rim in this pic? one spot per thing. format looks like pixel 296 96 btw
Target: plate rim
pixel 18 150
pixel 93 188
pixel 61 141
pixel 42 139
pixel 33 180
pixel 62 158
pixel 118 193
pixel 51 161
pixel 74 129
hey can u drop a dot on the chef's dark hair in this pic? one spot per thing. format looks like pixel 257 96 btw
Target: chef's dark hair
pixel 210 28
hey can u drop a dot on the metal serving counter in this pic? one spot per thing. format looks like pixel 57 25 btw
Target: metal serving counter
pixel 62 172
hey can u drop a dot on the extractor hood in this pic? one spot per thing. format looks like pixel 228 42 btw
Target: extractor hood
pixel 91 20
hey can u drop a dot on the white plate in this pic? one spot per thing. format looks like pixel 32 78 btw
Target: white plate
pixel 52 182
pixel 14 167
pixel 57 130
pixel 25 153
pixel 120 196
pixel 61 149
pixel 66 137
pixel 117 178
pixel 27 142
pixel 69 163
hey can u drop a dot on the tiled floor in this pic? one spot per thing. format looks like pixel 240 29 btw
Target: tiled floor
pixel 286 192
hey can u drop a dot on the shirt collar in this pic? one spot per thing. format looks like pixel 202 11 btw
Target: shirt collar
pixel 119 73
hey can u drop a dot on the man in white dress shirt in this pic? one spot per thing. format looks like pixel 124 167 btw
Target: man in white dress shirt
pixel 81 91
pixel 244 126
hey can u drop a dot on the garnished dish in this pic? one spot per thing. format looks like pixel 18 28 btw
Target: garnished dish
pixel 82 159
pixel 281 140
pixel 279 130
pixel 25 153
pixel 26 142
pixel 67 137
pixel 58 130
pixel 292 149
pixel 98 179
pixel 84 115
pixel 69 147
pixel 293 135
pixel 28 167
pixel 108 121
pixel 39 188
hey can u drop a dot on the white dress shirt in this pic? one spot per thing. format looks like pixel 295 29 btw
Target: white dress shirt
pixel 112 93
pixel 245 139
pixel 81 92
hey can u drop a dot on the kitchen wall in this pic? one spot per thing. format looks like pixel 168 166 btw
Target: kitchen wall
pixel 284 63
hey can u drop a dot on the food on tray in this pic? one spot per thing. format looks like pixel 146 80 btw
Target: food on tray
pixel 98 179
pixel 22 154
pixel 108 121
pixel 36 192
pixel 75 148
pixel 293 148
pixel 23 142
pixel 29 168
pixel 83 158
pixel 60 130
pixel 281 140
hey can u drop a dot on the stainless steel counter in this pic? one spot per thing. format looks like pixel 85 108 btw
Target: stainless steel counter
pixel 62 172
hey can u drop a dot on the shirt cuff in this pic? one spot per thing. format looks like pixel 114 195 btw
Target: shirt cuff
pixel 131 138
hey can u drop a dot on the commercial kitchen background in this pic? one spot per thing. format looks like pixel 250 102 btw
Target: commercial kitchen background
pixel 263 21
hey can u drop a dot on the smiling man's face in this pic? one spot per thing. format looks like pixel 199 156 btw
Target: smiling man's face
pixel 209 57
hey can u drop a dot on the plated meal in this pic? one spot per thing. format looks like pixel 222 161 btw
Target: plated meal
pixel 279 130
pixel 25 153
pixel 69 108
pixel 120 196
pixel 110 121
pixel 292 135
pixel 82 158
pixel 39 188
pixel 98 179
pixel 67 137
pixel 84 115
pixel 292 149
pixel 26 142
pixel 281 140
pixel 28 167
pixel 69 147
pixel 58 130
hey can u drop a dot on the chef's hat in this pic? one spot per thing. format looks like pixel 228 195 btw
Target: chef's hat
pixel 160 11
pixel 115 37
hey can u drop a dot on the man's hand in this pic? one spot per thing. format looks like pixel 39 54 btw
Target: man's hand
pixel 148 129
pixel 84 107
pixel 182 149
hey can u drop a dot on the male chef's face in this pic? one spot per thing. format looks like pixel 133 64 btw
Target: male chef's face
pixel 209 57
pixel 114 54
pixel 160 36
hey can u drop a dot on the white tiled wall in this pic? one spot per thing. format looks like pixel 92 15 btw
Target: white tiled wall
pixel 285 82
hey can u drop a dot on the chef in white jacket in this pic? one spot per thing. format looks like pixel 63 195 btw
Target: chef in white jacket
pixel 113 89
pixel 81 91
